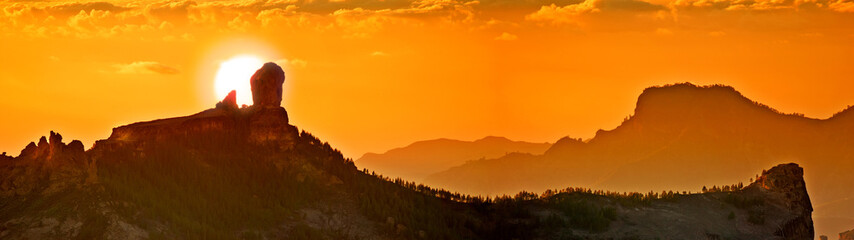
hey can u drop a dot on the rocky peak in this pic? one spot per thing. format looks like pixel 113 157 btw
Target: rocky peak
pixel 64 164
pixel 229 102
pixel 267 85
pixel 51 148
pixel 783 178
pixel 787 182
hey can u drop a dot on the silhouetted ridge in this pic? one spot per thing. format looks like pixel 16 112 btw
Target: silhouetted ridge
pixel 566 145
pixel 687 95
pixel 419 159
pixel 846 113
pixel 245 173
pixel 265 123
pixel 678 106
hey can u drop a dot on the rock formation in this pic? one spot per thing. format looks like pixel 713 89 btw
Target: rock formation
pixel 848 235
pixel 51 159
pixel 267 85
pixel 785 183
pixel 229 102
pixel 264 124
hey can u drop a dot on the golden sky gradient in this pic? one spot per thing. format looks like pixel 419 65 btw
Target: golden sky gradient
pixel 370 75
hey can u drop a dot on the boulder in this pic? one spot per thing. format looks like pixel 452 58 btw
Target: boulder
pixel 267 85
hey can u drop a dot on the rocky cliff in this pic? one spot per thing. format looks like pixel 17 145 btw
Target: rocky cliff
pixel 265 123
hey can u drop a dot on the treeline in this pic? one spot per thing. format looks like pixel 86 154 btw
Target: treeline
pixel 724 188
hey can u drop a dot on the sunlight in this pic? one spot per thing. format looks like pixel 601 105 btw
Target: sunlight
pixel 234 74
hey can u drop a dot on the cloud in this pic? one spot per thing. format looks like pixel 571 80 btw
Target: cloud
pixel 842 6
pixel 568 14
pixel 74 8
pixel 187 20
pixel 506 37
pixel 145 67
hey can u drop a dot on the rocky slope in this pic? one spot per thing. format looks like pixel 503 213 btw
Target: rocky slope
pixel 417 160
pixel 245 173
pixel 683 137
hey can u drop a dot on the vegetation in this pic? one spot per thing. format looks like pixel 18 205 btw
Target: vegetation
pixel 214 188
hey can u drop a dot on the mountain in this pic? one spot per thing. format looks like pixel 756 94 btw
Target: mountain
pixel 684 137
pixel 245 173
pixel 422 158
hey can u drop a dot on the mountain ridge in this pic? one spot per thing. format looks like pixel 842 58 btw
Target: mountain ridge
pixel 421 158
pixel 246 173
pixel 682 137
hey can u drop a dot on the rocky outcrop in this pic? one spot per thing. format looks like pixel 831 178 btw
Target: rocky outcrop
pixel 267 85
pixel 785 183
pixel 848 235
pixel 46 167
pixel 264 124
pixel 229 102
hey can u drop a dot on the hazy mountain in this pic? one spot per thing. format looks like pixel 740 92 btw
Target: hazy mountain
pixel 683 137
pixel 422 158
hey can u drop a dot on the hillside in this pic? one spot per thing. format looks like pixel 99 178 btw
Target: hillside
pixel 683 137
pixel 246 173
pixel 419 159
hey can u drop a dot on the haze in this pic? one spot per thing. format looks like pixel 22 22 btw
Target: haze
pixel 372 75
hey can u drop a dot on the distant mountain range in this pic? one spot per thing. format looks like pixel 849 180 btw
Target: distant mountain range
pixel 684 137
pixel 422 158
pixel 245 173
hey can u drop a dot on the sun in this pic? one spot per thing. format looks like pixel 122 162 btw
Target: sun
pixel 234 74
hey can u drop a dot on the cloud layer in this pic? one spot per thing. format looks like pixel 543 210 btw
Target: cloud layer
pixel 360 19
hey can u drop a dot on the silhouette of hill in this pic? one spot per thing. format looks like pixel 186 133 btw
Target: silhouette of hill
pixel 246 173
pixel 683 137
pixel 422 158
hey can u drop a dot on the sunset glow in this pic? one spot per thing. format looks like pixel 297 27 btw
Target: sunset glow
pixel 530 70
pixel 234 74
pixel 371 76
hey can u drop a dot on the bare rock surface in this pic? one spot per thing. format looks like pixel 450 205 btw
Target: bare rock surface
pixel 267 85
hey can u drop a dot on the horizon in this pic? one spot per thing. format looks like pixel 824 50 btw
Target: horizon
pixel 396 145
pixel 370 76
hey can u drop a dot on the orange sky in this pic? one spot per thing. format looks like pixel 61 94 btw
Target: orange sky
pixel 370 75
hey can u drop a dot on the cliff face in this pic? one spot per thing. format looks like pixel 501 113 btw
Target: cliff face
pixel 258 125
pixel 785 184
